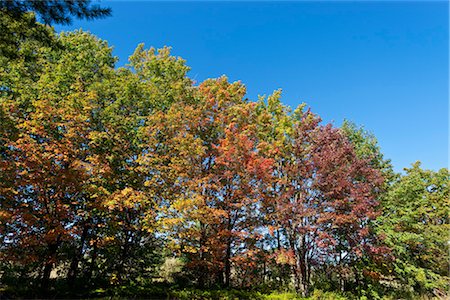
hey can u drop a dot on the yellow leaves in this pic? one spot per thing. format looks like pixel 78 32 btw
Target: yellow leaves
pixel 126 198
pixel 190 249
pixel 96 191
pixel 170 222
pixel 5 215
pixel 127 191
pixel 187 203
pixel 151 182
pixel 102 242
pixel 108 239
pixel 114 279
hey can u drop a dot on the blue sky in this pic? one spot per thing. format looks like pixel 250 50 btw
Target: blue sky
pixel 383 65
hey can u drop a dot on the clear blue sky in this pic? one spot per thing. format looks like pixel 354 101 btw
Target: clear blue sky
pixel 383 64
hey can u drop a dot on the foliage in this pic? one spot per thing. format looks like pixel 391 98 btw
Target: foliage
pixel 134 181
pixel 416 225
pixel 23 36
pixel 366 147
pixel 60 12
pixel 171 268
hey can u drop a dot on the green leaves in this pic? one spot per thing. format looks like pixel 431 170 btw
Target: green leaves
pixel 163 78
pixel 60 12
pixel 416 224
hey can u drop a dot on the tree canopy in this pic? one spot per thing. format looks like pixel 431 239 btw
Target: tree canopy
pixel 118 180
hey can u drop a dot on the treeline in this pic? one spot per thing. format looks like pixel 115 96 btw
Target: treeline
pixel 138 176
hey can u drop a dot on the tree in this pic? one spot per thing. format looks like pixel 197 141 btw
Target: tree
pixel 240 188
pixel 367 147
pixel 202 158
pixel 59 12
pixel 296 206
pixel 23 37
pixel 416 224
pixel 48 176
pixel 325 200
pixel 349 189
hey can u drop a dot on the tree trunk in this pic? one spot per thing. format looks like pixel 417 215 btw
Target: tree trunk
pixel 219 277
pixel 342 284
pixel 301 269
pixel 282 268
pixel 228 264
pixel 304 268
pixel 202 270
pixel 264 271
pixel 297 279
pixel 305 281
pixel 93 259
pixel 228 253
pixel 124 255
pixel 73 270
pixel 278 240
pixel 48 266
pixel 46 276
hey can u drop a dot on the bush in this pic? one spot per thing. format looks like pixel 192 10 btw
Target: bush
pixel 171 269
pixel 320 295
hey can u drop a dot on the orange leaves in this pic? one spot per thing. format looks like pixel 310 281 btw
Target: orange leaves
pixel 53 234
pixel 206 168
pixel 272 229
pixel 285 257
pixel 372 274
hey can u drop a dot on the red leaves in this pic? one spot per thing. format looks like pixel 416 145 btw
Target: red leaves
pixel 372 274
pixel 326 196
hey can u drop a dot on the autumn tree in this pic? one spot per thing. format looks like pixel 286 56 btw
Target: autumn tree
pixel 48 177
pixel 349 189
pixel 325 199
pixel 206 154
pixel 240 188
pixel 107 172
pixel 84 108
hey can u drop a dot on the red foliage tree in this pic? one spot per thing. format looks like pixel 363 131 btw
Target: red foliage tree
pixel 326 200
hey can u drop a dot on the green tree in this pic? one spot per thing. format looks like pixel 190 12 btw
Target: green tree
pixel 416 224
pixel 367 147
pixel 23 37
pixel 59 12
